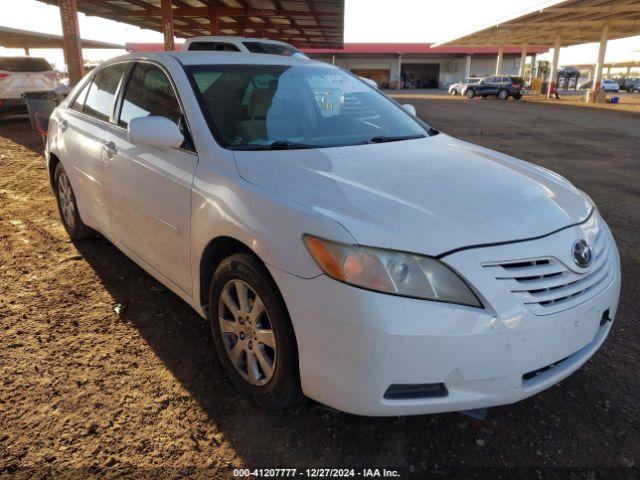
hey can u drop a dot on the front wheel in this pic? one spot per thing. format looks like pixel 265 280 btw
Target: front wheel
pixel 68 206
pixel 503 94
pixel 470 93
pixel 252 332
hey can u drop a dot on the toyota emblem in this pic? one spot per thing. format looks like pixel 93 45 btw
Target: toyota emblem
pixel 582 254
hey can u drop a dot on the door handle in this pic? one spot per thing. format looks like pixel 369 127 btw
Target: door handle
pixel 110 148
pixel 63 125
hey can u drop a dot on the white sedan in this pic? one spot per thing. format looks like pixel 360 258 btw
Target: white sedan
pixel 340 247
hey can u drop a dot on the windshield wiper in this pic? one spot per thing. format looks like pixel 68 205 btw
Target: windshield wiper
pixel 385 139
pixel 286 144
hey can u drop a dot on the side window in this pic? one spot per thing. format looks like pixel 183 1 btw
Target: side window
pixel 149 92
pixel 99 102
pixel 78 103
pixel 213 47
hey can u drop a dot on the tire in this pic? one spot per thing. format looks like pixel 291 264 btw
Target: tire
pixel 484 96
pixel 265 365
pixel 453 92
pixel 68 207
pixel 470 93
pixel 503 94
pixel 517 97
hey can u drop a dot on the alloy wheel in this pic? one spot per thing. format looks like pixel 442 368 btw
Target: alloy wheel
pixel 67 202
pixel 247 333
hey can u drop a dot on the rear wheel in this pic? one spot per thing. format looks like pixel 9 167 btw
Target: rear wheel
pixel 68 206
pixel 253 333
pixel 470 93
pixel 517 96
pixel 503 94
pixel 453 92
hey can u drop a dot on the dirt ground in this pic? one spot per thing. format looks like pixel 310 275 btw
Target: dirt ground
pixel 87 391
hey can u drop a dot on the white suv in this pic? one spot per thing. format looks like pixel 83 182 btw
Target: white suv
pixel 241 44
pixel 23 74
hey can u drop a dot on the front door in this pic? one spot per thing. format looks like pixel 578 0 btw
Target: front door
pixel 148 189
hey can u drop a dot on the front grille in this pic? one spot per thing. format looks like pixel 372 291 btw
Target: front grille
pixel 546 285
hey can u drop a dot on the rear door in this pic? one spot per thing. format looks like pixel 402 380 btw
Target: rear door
pixel 148 189
pixel 81 129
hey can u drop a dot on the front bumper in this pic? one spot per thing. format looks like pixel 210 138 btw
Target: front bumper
pixel 354 344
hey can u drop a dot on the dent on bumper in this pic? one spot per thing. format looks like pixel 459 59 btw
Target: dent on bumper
pixel 353 344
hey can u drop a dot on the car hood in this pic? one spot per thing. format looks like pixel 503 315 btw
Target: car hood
pixel 427 196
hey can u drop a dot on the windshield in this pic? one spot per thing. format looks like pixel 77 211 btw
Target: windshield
pixel 24 64
pixel 275 106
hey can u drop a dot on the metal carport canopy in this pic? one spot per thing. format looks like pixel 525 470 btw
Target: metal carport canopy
pixel 16 38
pixel 303 23
pixel 575 21
pixel 562 23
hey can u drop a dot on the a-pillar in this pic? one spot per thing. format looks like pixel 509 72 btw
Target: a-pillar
pixel 167 25
pixel 554 68
pixel 499 60
pixel 602 49
pixel 71 40
pixel 523 60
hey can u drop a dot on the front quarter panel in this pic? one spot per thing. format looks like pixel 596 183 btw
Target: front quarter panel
pixel 225 205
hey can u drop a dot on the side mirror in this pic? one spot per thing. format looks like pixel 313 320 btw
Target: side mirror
pixel 154 131
pixel 407 107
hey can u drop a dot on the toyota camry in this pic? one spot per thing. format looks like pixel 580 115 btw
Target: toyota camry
pixel 340 247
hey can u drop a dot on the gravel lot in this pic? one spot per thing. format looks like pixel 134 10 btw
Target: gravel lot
pixel 85 390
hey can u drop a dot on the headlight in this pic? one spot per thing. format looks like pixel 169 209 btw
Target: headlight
pixel 389 271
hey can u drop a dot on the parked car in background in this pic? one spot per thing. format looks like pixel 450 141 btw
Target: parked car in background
pixel 585 85
pixel 23 74
pixel 458 88
pixel 632 85
pixel 210 43
pixel 340 247
pixel 501 86
pixel 609 85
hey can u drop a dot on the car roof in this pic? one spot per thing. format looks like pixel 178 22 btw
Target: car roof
pixel 221 58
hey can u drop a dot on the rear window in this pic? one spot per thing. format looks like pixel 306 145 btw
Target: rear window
pixel 24 64
pixel 270 48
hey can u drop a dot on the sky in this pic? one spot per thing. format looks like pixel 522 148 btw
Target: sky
pixel 373 21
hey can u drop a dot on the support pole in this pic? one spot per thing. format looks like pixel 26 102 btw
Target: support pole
pixel 534 71
pixel 397 72
pixel 467 67
pixel 499 60
pixel 608 72
pixel 71 40
pixel 602 49
pixel 213 21
pixel 554 68
pixel 523 60
pixel 28 53
pixel 167 25
pixel 333 59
